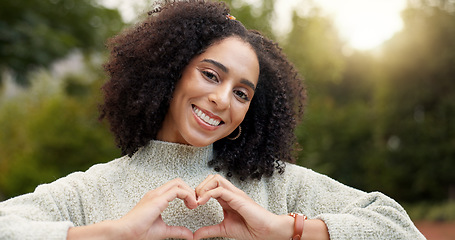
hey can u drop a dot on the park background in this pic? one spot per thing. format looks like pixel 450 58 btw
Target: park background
pixel 381 119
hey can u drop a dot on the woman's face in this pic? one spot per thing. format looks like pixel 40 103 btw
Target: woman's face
pixel 213 95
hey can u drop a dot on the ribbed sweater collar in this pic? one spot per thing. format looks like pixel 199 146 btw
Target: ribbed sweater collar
pixel 173 155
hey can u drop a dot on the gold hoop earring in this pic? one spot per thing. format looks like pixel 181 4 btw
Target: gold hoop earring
pixel 238 135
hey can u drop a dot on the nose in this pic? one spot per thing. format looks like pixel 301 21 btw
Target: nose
pixel 221 96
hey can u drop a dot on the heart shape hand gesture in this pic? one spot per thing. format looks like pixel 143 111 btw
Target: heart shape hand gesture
pixel 243 218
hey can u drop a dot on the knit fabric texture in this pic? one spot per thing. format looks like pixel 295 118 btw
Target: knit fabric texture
pixel 109 191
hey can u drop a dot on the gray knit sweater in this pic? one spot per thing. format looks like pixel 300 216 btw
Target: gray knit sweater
pixel 109 191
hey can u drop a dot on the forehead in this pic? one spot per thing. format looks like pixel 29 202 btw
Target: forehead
pixel 232 42
pixel 235 54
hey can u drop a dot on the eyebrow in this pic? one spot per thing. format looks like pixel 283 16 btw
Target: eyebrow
pixel 218 64
pixel 226 70
pixel 248 83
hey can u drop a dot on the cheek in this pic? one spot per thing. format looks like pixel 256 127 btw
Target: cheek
pixel 239 114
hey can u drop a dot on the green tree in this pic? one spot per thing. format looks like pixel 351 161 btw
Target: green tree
pixel 332 125
pixel 381 122
pixel 337 134
pixel 36 33
pixel 50 130
pixel 257 16
pixel 417 103
pixel 314 46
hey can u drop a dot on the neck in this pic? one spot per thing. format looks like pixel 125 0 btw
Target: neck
pixel 168 153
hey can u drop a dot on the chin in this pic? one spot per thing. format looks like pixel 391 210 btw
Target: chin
pixel 200 143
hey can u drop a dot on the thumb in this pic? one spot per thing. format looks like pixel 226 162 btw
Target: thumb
pixel 210 231
pixel 178 232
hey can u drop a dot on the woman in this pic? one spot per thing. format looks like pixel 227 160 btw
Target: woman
pixel 204 112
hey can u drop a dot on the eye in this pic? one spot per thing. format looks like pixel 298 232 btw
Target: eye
pixel 210 75
pixel 242 95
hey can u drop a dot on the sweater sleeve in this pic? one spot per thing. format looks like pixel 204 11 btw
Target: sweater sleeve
pixel 33 216
pixel 350 213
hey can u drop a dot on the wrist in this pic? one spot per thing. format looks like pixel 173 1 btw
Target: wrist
pixel 315 229
pixel 299 223
pixel 282 229
pixel 119 230
pixel 98 231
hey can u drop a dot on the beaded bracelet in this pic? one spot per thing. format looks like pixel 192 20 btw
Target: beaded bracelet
pixel 299 220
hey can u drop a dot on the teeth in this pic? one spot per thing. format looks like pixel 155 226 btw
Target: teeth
pixel 206 118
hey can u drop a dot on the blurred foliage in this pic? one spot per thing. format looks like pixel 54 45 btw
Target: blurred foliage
pixel 385 123
pixel 256 16
pixel 376 121
pixel 36 33
pixel 50 130
pixel 416 105
pixel 428 211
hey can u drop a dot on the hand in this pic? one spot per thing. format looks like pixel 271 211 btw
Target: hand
pixel 144 220
pixel 243 218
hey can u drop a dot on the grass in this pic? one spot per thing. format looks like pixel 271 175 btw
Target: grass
pixel 426 211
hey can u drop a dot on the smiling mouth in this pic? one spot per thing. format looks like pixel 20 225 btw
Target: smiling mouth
pixel 205 118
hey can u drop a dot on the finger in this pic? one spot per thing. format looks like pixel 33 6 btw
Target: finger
pixel 245 206
pixel 200 187
pixel 188 196
pixel 210 232
pixel 157 203
pixel 213 182
pixel 178 232
pixel 219 193
pixel 175 182
pixel 174 189
pixel 147 213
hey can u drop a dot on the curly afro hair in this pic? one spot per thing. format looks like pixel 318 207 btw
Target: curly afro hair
pixel 147 61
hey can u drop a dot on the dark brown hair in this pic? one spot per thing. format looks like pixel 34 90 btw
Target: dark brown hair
pixel 148 59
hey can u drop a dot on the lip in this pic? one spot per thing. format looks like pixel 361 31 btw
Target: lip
pixel 202 123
